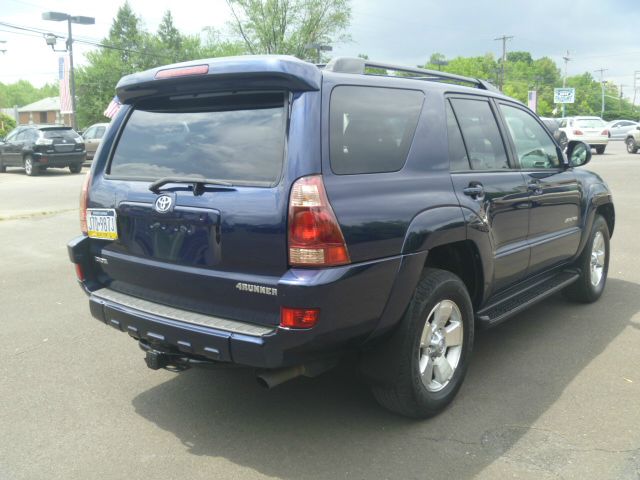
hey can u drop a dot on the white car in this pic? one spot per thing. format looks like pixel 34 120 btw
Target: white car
pixel 620 128
pixel 591 130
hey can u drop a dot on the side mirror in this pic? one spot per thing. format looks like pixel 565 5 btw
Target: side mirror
pixel 578 153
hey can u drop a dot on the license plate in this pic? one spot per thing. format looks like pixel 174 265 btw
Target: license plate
pixel 101 223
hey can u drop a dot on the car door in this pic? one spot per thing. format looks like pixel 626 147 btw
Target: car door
pixel 555 197
pixel 9 149
pixel 491 191
pixel 90 144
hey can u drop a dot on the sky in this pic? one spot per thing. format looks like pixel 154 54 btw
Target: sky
pixel 598 34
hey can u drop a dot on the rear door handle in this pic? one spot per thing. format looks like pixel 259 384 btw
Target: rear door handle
pixel 534 187
pixel 474 191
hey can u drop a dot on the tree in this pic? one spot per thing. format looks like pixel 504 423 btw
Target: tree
pixel 289 26
pixel 23 92
pixel 6 124
pixel 131 50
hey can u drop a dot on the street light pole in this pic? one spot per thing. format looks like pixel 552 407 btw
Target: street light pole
pixel 72 77
pixel 58 17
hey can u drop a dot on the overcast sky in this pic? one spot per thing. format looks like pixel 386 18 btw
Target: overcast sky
pixel 598 33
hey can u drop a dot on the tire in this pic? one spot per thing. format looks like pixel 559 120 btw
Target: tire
pixel 75 168
pixel 418 390
pixel 29 167
pixel 3 169
pixel 600 149
pixel 593 264
pixel 632 146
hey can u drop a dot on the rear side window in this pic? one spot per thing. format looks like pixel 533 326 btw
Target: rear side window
pixel 457 153
pixel 236 138
pixel 371 129
pixel 481 135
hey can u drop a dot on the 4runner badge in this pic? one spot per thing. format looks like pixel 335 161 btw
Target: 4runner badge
pixel 250 287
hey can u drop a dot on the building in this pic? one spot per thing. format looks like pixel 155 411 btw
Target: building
pixel 46 110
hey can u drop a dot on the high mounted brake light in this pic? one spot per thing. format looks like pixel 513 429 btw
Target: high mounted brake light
pixel 182 71
pixel 315 238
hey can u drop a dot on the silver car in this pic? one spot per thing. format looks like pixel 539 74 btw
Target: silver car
pixel 92 137
pixel 619 129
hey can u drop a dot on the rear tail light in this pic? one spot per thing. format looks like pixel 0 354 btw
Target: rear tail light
pixel 79 272
pixel 605 133
pixel 315 238
pixel 84 197
pixel 299 317
pixel 578 132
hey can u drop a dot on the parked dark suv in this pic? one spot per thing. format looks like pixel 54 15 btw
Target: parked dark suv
pixel 36 148
pixel 266 212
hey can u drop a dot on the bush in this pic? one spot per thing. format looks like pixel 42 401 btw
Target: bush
pixel 6 124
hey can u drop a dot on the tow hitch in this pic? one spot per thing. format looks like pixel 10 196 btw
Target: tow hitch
pixel 172 361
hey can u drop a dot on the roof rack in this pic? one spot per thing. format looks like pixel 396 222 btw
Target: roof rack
pixel 359 65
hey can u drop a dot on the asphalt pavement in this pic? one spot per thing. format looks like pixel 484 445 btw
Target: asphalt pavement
pixel 553 393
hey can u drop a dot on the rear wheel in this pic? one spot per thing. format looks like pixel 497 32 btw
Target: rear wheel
pixel 436 339
pixel 75 168
pixel 600 149
pixel 593 264
pixel 3 169
pixel 30 168
pixel 632 147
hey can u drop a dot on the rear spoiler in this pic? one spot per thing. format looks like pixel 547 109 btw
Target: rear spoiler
pixel 259 72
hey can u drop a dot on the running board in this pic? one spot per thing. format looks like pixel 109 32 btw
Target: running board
pixel 510 303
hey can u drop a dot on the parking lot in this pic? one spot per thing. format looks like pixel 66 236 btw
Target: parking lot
pixel 553 393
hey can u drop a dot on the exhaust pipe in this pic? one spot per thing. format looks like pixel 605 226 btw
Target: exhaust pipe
pixel 273 378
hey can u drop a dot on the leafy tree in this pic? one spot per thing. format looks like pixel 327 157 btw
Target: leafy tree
pixel 132 49
pixel 289 26
pixel 23 92
pixel 6 124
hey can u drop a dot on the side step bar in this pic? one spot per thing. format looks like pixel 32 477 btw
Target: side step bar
pixel 512 302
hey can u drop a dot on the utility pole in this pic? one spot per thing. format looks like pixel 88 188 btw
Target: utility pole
pixel 504 39
pixel 602 70
pixel 60 17
pixel 566 59
pixel 636 86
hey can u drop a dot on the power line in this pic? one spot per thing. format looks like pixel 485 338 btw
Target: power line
pixel 42 32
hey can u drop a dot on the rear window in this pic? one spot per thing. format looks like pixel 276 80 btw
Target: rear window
pixel 66 133
pixel 371 128
pixel 589 123
pixel 235 138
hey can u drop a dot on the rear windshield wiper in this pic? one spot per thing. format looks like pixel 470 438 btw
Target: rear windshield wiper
pixel 198 183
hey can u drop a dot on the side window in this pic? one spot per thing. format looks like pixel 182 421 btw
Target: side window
pixel 12 135
pixel 534 147
pixel 22 135
pixel 88 135
pixel 371 128
pixel 481 135
pixel 99 133
pixel 458 159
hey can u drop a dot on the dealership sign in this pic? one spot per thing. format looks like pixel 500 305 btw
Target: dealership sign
pixel 564 95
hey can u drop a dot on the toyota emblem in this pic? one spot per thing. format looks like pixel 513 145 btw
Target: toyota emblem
pixel 163 204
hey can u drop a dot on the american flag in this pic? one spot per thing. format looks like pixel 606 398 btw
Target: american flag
pixel 63 76
pixel 112 108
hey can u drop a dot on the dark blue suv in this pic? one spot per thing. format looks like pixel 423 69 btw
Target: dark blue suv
pixel 267 212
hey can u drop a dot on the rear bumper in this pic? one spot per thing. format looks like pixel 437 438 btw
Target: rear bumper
pixel 58 159
pixel 351 300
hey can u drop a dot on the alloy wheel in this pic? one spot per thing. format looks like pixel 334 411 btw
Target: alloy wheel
pixel 440 345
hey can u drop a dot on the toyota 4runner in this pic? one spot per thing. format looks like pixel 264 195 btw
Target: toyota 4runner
pixel 267 212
